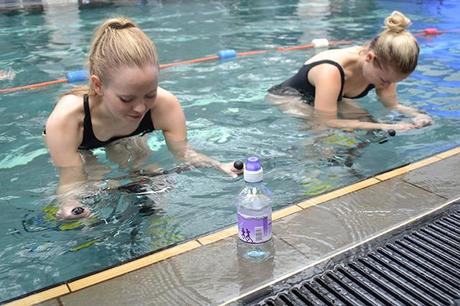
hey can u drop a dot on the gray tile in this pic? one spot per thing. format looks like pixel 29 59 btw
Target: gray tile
pixel 208 275
pixel 324 229
pixel 53 302
pixel 441 177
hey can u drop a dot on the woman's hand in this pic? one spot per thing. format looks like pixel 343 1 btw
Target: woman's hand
pixel 422 120
pixel 402 126
pixel 71 208
pixel 231 168
pixel 203 161
pixel 196 159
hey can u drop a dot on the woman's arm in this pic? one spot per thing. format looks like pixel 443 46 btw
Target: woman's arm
pixel 327 83
pixel 62 139
pixel 168 116
pixel 389 98
pixel 364 125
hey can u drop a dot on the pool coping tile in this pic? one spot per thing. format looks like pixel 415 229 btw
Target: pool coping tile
pixel 338 193
pixel 440 178
pixel 219 235
pixel 407 168
pixel 131 266
pixel 42 296
pixel 448 153
pixel 179 280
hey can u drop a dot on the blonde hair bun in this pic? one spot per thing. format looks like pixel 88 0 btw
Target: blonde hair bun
pixel 397 22
pixel 119 23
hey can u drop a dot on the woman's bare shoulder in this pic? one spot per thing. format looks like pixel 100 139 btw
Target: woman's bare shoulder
pixel 167 110
pixel 341 56
pixel 166 100
pixel 68 111
pixel 70 102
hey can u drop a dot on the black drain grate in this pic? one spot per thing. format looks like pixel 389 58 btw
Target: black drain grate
pixel 422 267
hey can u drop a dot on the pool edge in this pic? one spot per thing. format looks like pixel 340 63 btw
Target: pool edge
pixel 93 279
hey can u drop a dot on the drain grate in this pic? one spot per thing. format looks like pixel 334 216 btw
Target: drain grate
pixel 422 267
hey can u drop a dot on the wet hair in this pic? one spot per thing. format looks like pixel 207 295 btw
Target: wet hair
pixel 396 47
pixel 117 42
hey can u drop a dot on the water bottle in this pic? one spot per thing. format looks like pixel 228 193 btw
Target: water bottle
pixel 254 214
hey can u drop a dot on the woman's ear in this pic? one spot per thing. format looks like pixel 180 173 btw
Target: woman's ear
pixel 370 56
pixel 97 84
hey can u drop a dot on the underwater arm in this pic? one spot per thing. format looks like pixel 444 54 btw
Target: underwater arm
pixel 365 125
pixel 389 98
pixel 62 141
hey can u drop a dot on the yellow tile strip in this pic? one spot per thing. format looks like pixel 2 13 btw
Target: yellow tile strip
pixel 185 247
pixel 131 266
pixel 218 235
pixel 448 153
pixel 405 169
pixel 338 193
pixel 281 213
pixel 41 296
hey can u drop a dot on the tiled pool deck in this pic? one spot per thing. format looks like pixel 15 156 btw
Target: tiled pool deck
pixel 207 271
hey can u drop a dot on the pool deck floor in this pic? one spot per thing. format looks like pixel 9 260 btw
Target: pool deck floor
pixel 207 270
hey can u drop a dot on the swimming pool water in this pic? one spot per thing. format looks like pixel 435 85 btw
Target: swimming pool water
pixel 228 118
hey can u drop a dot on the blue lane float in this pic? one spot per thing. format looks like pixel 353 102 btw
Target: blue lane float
pixel 77 76
pixel 226 54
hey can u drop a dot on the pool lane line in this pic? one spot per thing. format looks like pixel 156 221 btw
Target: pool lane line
pixel 233 55
pixel 33 86
pixel 423 33
pixel 197 60
pixel 148 260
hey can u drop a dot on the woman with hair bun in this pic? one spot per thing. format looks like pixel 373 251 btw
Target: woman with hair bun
pixel 121 103
pixel 331 79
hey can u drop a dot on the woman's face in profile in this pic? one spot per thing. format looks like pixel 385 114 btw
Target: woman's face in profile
pixel 381 77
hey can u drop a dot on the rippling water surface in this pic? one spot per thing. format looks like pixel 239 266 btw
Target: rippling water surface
pixel 228 118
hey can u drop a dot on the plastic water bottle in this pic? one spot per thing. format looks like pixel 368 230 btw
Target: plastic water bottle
pixel 254 214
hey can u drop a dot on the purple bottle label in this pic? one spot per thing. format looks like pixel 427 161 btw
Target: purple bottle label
pixel 254 230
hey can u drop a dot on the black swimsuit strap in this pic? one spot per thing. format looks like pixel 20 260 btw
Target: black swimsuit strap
pixel 339 67
pixel 87 126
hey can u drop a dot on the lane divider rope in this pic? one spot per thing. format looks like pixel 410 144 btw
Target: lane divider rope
pixel 82 75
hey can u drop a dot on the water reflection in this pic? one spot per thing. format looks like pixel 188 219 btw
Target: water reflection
pixel 252 273
pixel 127 222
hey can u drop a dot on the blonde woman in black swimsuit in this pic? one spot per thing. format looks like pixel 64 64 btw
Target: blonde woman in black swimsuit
pixel 123 100
pixel 329 80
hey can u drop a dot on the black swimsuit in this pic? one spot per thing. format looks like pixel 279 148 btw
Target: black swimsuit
pixel 299 85
pixel 91 142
